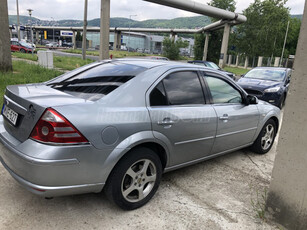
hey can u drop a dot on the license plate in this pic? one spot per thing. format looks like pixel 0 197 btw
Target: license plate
pixel 10 114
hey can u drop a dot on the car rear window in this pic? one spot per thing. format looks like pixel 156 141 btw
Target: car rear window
pixel 98 81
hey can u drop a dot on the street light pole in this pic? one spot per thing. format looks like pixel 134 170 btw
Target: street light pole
pixel 129 30
pixel 31 37
pixel 18 24
pixel 84 31
pixel 30 14
pixel 283 49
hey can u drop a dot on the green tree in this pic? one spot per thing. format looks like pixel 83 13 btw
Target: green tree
pixel 294 31
pixel 78 36
pixel 215 40
pixel 199 42
pixel 229 5
pixel 263 33
pixel 171 49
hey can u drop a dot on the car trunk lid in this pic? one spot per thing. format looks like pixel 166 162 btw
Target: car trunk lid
pixel 29 102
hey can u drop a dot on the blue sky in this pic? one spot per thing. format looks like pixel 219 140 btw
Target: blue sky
pixel 73 9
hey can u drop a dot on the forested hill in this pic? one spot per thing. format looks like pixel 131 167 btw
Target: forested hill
pixel 184 22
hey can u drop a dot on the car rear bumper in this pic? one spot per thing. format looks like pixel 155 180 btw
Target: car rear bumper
pixel 52 170
pixel 52 191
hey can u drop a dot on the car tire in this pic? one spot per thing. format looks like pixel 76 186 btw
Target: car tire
pixel 22 50
pixel 265 139
pixel 130 185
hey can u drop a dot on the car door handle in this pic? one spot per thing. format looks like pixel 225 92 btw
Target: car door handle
pixel 224 117
pixel 166 122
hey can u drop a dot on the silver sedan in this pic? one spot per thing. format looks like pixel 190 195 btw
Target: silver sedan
pixel 118 125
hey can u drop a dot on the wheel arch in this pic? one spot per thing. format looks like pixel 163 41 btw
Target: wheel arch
pixel 275 119
pixel 143 139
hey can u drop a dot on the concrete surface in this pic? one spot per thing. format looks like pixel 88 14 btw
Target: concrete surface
pixel 288 190
pixel 216 194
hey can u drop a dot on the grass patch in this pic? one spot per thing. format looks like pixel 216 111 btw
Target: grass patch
pixel 70 63
pixel 236 71
pixel 24 73
pixel 76 51
pixel 25 56
pixel 258 204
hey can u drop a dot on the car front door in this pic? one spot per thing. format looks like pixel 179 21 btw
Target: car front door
pixel 236 122
pixel 180 116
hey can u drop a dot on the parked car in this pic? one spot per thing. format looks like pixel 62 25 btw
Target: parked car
pixel 21 46
pixel 119 124
pixel 123 48
pixel 52 45
pixel 29 42
pixel 212 65
pixel 67 44
pixel 130 49
pixel 270 84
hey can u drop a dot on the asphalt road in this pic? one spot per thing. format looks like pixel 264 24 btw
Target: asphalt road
pixel 63 54
pixel 216 194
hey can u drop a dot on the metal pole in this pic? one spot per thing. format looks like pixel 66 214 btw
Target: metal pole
pixel 84 31
pixel 18 24
pixel 31 39
pixel 200 8
pixel 283 49
pixel 129 30
pixel 53 29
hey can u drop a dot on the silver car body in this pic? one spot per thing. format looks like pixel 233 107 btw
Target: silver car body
pixel 115 124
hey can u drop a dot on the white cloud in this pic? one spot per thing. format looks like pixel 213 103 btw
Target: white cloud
pixel 68 9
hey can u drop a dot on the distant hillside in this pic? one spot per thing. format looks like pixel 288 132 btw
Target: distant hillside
pixel 186 22
pixel 299 16
pixel 24 20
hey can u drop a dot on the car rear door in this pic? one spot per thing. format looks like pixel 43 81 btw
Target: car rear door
pixel 180 116
pixel 236 122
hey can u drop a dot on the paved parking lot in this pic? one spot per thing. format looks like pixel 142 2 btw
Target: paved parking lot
pixel 216 194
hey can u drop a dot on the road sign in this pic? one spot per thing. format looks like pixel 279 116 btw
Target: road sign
pixel 65 33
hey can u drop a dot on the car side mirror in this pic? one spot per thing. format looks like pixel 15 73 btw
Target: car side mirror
pixel 251 100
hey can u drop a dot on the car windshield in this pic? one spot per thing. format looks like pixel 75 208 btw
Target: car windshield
pixel 25 44
pixel 266 74
pixel 213 65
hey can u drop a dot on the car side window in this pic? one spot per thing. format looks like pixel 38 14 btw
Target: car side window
pixel 179 88
pixel 222 91
pixel 158 96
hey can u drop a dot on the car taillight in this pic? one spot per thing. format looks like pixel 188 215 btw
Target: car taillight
pixel 52 127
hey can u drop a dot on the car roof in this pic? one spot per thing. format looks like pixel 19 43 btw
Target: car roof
pixel 150 63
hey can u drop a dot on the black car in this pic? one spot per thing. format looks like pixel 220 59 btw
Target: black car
pixel 212 65
pixel 269 84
